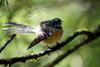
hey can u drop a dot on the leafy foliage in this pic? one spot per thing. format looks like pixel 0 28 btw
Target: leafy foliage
pixel 76 15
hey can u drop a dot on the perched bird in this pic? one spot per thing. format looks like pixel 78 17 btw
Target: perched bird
pixel 49 32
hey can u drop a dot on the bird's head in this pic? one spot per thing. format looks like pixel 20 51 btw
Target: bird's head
pixel 54 23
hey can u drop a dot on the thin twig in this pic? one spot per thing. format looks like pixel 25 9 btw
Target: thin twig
pixel 7 42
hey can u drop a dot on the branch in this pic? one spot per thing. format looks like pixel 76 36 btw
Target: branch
pixel 91 36
pixel 7 42
pixel 69 51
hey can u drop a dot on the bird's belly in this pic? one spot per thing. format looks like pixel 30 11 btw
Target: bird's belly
pixel 57 34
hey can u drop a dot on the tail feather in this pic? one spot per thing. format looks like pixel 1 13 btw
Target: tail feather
pixel 18 28
pixel 13 24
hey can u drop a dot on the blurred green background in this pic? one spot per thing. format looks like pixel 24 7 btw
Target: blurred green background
pixel 75 14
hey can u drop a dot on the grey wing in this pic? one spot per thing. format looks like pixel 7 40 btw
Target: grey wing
pixel 46 32
pixel 18 28
pixel 38 39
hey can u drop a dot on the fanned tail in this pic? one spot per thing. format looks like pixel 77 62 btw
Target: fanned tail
pixel 18 28
pixel 13 24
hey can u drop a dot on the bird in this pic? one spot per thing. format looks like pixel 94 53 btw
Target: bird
pixel 49 32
